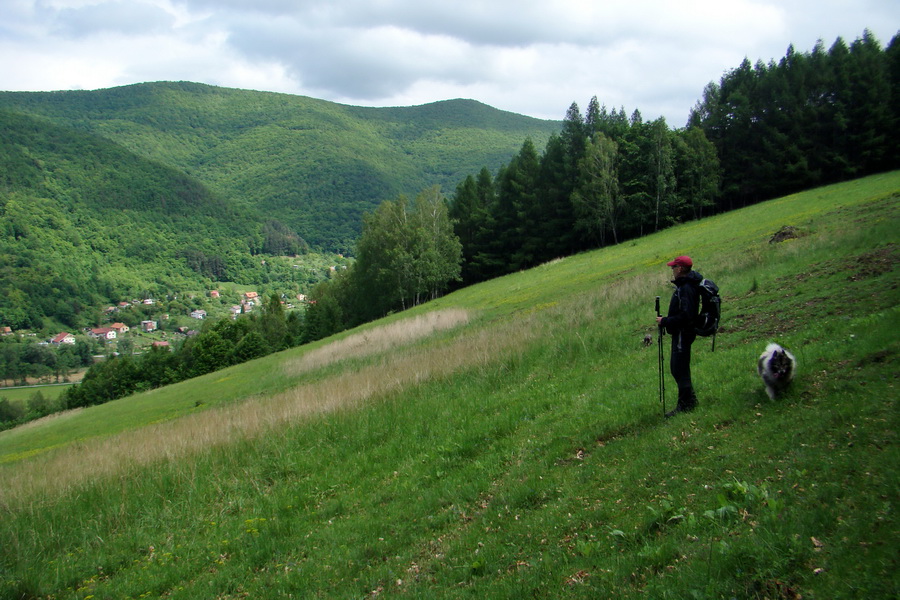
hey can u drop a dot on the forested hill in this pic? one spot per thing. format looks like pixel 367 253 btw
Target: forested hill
pixel 84 221
pixel 314 165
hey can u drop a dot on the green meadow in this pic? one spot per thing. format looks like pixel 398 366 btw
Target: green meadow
pixel 25 393
pixel 507 441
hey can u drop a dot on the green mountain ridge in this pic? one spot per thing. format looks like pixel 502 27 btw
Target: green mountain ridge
pixel 312 164
pixel 166 188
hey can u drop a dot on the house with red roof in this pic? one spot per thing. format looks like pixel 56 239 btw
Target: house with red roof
pixel 63 338
pixel 103 333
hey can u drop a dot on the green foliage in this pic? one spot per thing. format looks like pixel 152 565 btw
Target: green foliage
pixel 88 223
pixel 605 179
pixel 765 130
pixel 407 254
pixel 10 412
pixel 317 165
pixel 538 467
pixel 280 240
pixel 812 118
pixel 165 189
pixel 21 360
pixel 697 171
pixel 596 200
pixel 325 315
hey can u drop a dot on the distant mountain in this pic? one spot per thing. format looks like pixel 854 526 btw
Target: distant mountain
pixel 313 165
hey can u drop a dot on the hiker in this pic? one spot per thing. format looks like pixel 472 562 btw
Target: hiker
pixel 679 323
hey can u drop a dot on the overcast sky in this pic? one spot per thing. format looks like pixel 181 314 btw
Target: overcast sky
pixel 529 57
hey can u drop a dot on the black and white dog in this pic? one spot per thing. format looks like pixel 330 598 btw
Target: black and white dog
pixel 776 367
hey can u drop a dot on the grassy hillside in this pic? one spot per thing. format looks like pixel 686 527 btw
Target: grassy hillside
pixel 315 165
pixel 507 441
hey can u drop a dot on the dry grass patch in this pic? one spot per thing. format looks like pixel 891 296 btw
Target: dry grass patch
pixel 89 461
pixel 379 339
pixel 400 366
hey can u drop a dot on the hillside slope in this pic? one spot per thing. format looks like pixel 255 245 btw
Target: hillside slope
pixel 315 165
pixel 507 441
pixel 84 221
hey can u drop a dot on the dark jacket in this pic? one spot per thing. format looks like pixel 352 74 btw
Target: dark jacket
pixel 685 304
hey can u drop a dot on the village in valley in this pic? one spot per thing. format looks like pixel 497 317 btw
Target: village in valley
pixel 62 350
pixel 128 328
pixel 164 328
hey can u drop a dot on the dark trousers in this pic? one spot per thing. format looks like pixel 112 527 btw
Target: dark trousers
pixel 680 362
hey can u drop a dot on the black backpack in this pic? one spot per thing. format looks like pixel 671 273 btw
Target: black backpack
pixel 707 322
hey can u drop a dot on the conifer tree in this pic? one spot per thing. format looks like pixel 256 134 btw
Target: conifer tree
pixel 557 223
pixel 892 60
pixel 593 117
pixel 869 105
pixel 574 137
pixel 518 192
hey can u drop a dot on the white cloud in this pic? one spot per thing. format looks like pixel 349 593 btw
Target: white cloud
pixel 529 56
pixel 115 17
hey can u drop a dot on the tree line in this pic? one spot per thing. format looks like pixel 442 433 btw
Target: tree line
pixel 810 119
pixel 605 178
pixel 221 343
pixel 20 361
pixel 761 132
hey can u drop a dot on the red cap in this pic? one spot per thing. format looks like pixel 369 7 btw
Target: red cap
pixel 681 261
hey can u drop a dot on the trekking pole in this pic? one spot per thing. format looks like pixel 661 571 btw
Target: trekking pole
pixel 662 377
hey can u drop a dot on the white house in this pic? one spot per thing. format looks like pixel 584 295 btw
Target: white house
pixel 63 338
pixel 103 333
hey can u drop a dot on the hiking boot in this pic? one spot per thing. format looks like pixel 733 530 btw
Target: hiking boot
pixel 687 401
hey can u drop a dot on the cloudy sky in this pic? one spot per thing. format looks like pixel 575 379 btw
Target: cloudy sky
pixel 532 57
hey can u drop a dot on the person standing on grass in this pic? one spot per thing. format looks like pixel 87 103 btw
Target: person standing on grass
pixel 679 323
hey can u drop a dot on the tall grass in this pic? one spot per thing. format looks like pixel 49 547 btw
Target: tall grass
pixel 506 441
pixel 381 338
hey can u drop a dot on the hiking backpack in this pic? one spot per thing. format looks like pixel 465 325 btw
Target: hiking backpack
pixel 707 322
